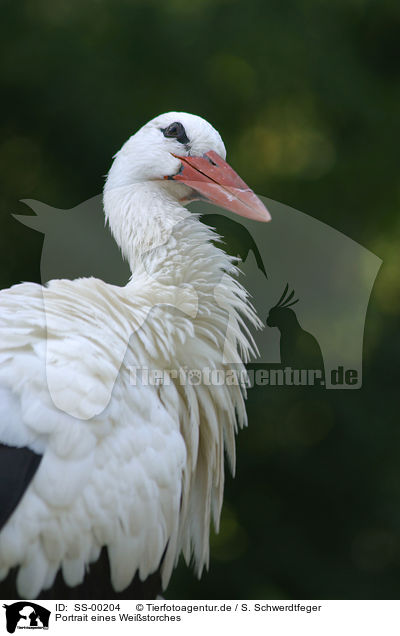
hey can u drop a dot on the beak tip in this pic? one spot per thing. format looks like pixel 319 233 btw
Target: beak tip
pixel 262 212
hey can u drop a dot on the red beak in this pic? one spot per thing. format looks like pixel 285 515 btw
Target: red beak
pixel 217 182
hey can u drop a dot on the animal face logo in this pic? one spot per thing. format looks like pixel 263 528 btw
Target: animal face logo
pixel 26 615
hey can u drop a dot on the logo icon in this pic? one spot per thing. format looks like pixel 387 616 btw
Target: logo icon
pixel 313 334
pixel 299 349
pixel 26 615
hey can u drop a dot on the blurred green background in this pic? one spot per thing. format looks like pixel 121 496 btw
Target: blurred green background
pixel 306 95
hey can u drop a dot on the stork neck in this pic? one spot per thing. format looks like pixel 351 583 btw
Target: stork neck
pixel 161 237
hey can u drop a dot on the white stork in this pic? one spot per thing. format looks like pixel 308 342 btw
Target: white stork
pixel 91 463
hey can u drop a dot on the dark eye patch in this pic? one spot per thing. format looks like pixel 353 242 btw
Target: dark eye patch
pixel 176 131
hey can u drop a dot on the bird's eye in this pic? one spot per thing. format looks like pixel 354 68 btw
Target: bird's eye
pixel 176 131
pixel 172 130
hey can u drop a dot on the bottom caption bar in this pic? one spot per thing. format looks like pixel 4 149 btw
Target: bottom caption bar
pixel 276 617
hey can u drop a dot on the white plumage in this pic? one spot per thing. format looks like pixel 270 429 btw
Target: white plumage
pixel 133 467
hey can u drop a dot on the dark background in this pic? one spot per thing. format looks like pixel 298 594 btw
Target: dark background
pixel 306 97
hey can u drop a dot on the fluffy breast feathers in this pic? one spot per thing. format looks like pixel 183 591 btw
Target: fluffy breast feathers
pixel 131 465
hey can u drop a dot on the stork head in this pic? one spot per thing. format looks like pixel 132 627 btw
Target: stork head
pixel 186 156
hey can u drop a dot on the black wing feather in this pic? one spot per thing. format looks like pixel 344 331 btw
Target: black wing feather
pixel 17 467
